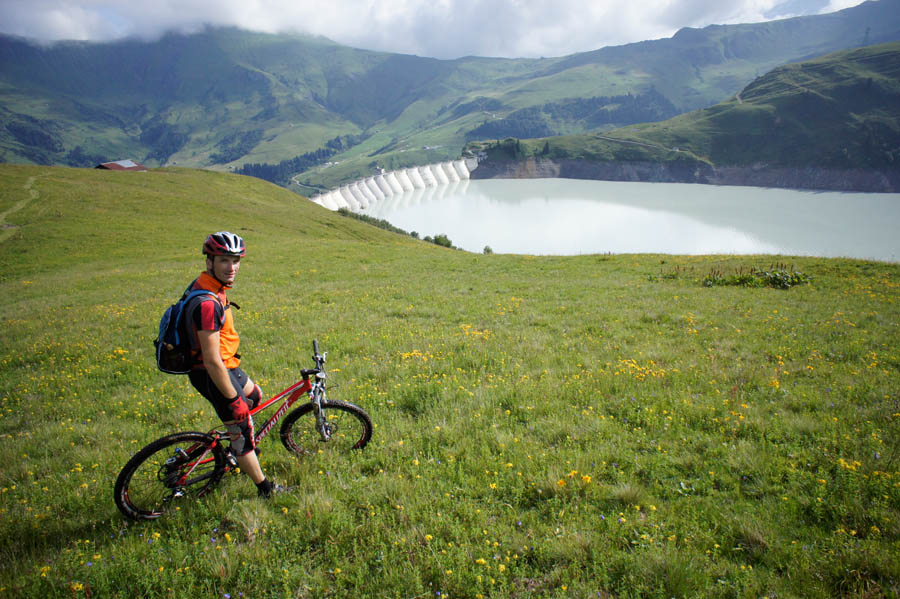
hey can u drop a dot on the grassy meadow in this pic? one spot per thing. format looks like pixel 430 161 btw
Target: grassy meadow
pixel 591 426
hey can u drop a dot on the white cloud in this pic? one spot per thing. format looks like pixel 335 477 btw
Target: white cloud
pixel 440 28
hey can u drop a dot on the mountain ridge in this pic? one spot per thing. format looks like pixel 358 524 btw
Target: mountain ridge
pixel 223 98
pixel 830 123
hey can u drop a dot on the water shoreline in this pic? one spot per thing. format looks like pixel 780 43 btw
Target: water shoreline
pixel 807 178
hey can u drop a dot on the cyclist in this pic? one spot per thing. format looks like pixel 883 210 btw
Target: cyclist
pixel 216 373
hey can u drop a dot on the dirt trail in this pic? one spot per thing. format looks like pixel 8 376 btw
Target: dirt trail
pixel 7 230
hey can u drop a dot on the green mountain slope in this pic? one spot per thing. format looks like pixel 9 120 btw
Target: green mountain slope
pixel 53 219
pixel 225 98
pixel 840 112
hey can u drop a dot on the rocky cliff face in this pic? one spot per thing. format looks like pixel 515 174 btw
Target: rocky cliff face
pixel 820 179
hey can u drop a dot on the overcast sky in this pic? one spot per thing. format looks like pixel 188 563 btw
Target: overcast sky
pixel 437 28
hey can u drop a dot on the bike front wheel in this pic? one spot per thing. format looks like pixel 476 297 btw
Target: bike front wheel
pixel 348 427
pixel 175 467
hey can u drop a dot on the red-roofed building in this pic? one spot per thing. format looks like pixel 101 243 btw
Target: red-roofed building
pixel 122 165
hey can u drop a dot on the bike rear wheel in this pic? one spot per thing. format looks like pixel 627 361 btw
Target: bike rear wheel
pixel 182 465
pixel 349 425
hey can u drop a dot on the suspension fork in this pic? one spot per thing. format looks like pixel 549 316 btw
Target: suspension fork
pixel 317 397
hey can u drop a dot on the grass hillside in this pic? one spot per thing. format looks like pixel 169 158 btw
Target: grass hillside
pixel 590 426
pixel 838 111
pixel 226 99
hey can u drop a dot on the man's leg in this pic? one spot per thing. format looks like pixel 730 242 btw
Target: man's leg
pixel 249 462
pixel 237 419
pixel 253 393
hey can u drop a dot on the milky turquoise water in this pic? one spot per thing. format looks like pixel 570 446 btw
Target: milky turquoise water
pixel 569 216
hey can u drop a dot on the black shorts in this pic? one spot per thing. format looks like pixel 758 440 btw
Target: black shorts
pixel 224 407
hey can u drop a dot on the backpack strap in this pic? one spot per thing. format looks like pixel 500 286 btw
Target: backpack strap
pixel 188 304
pixel 188 296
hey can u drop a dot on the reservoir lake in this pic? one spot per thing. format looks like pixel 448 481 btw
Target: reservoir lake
pixel 572 216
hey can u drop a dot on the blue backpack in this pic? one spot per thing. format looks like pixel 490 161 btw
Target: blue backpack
pixel 173 345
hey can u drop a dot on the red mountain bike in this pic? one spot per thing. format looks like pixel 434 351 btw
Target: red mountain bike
pixel 190 464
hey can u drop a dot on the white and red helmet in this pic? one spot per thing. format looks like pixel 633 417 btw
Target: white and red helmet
pixel 224 243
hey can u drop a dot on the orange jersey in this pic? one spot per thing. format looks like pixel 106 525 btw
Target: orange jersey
pixel 217 316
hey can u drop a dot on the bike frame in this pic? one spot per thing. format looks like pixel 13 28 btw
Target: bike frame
pixel 293 395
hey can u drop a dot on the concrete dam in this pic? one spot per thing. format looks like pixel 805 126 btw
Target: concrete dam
pixel 361 194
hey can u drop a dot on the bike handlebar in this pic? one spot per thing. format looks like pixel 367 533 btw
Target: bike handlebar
pixel 318 358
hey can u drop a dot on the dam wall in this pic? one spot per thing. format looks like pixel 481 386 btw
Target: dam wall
pixel 363 194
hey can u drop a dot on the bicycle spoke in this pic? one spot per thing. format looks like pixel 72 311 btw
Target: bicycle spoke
pixel 349 427
pixel 166 471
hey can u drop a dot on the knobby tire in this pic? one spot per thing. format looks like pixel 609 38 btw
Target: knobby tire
pixel 147 485
pixel 351 428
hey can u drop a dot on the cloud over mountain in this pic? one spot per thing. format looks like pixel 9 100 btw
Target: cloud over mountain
pixel 438 28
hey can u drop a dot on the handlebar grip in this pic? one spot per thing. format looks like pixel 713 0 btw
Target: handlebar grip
pixel 315 347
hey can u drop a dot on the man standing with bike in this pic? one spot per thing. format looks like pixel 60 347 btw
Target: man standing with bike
pixel 216 373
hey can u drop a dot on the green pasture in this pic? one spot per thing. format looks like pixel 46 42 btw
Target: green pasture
pixel 591 426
